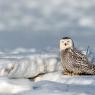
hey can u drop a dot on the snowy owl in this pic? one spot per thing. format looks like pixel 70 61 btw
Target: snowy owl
pixel 73 61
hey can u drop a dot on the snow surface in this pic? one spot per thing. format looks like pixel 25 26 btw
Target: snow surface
pixel 52 82
pixel 56 84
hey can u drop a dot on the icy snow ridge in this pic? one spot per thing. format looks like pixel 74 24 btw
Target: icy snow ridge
pixel 30 66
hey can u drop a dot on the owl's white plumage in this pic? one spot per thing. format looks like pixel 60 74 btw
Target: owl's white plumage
pixel 66 43
pixel 73 61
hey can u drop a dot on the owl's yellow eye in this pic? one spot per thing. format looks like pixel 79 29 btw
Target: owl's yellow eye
pixel 68 41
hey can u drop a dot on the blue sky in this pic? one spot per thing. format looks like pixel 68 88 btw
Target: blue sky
pixel 41 23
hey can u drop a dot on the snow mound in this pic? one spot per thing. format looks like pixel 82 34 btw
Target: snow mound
pixel 14 85
pixel 30 66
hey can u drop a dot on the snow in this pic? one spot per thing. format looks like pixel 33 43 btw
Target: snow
pixel 57 84
pixel 33 66
pixel 14 85
pixel 36 74
pixel 28 65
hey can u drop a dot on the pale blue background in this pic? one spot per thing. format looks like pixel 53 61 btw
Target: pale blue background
pixel 41 23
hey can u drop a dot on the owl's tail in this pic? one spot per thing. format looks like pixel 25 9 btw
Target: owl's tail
pixel 88 69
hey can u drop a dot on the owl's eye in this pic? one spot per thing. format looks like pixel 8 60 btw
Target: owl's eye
pixel 68 41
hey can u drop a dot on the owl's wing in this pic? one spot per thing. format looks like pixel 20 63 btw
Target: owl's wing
pixel 79 56
pixel 81 63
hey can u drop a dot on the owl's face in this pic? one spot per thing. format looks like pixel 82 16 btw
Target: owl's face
pixel 65 44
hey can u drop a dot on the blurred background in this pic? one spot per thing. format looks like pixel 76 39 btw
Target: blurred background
pixel 39 24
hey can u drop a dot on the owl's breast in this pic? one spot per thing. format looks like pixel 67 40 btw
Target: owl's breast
pixel 67 61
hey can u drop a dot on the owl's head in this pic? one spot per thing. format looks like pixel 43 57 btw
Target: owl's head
pixel 66 43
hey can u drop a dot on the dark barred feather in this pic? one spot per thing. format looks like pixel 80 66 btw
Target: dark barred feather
pixel 74 61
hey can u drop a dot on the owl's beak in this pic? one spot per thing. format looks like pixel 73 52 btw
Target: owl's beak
pixel 65 44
